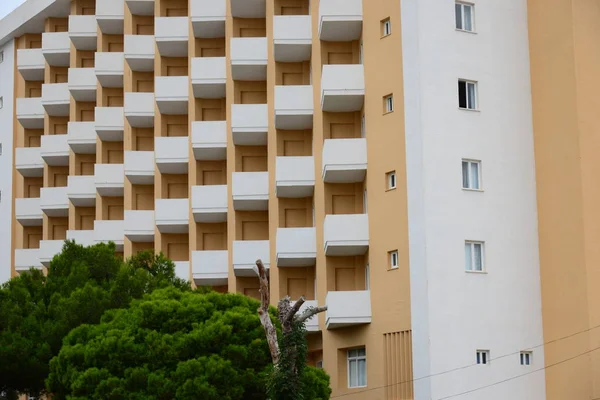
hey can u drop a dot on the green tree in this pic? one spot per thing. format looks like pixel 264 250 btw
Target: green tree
pixel 37 311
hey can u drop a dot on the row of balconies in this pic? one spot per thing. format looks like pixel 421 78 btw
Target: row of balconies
pixel 339 20
pixel 344 161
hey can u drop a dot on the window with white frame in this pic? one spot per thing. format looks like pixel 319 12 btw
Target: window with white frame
pixel 391 180
pixel 467 94
pixel 367 277
pixel 357 368
pixel 526 357
pixel 388 103
pixel 483 356
pixel 386 27
pixel 464 16
pixel 474 257
pixel 471 174
pixel 393 259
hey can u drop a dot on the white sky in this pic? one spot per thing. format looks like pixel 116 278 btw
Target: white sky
pixel 6 6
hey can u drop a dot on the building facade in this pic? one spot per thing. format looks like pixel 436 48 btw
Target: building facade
pixel 422 167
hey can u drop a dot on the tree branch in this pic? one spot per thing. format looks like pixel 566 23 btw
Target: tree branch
pixel 295 308
pixel 310 313
pixel 263 312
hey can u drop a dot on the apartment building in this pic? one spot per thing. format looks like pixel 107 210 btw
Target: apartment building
pixel 408 163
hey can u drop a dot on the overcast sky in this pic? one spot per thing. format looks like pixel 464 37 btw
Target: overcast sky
pixel 6 6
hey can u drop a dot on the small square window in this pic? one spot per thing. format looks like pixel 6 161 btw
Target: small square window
pixel 471 174
pixel 386 27
pixel 393 259
pixel 526 358
pixel 467 95
pixel 391 180
pixel 388 103
pixel 474 257
pixel 357 368
pixel 483 357
pixel 464 16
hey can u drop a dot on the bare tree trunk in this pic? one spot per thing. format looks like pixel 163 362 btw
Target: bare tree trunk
pixel 263 313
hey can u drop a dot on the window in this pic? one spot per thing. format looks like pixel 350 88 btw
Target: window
pixel 386 27
pixel 363 127
pixel 471 175
pixel 1 57
pixel 391 180
pixel 0 149
pixel 483 356
pixel 319 364
pixel 464 17
pixel 357 368
pixel 393 257
pixel 388 103
pixel 1 102
pixel 367 277
pixel 474 256
pixel 526 358
pixel 467 95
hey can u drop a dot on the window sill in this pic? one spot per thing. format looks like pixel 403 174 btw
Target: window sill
pixel 393 269
pixel 472 190
pixel 384 36
pixel 469 109
pixel 391 189
pixel 356 387
pixel 477 272
pixel 465 31
pixel 387 112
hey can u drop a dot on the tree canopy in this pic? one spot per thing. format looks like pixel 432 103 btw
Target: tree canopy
pixel 37 311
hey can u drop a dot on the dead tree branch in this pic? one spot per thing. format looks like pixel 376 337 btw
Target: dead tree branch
pixel 263 312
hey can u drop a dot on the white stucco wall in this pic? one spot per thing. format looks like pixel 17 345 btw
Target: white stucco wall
pixel 454 313
pixel 6 159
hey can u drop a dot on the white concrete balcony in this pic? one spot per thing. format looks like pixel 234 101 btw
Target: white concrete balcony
pixel 340 20
pixel 110 15
pixel 249 59
pixel 109 179
pixel 209 203
pixel 172 94
pixel 139 52
pixel 31 64
pixel 110 123
pixel 250 124
pixel 294 107
pixel 81 137
pixel 110 68
pixel 56 99
pixel 55 150
pixel 139 225
pixel 348 309
pixel 210 268
pixel 139 109
pixel 172 215
pixel 292 37
pixel 346 234
pixel 296 247
pixel 82 84
pixel 312 324
pixel 250 191
pixel 48 249
pixel 172 36
pixel 54 201
pixel 209 77
pixel 209 140
pixel 141 7
pixel 110 231
pixel 29 212
pixel 139 167
pixel 83 31
pixel 172 154
pixel 295 176
pixel 30 112
pixel 248 8
pixel 342 88
pixel 25 259
pixel 81 190
pixel 208 18
pixel 344 160
pixel 182 270
pixel 56 48
pixel 83 238
pixel 28 161
pixel 246 252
